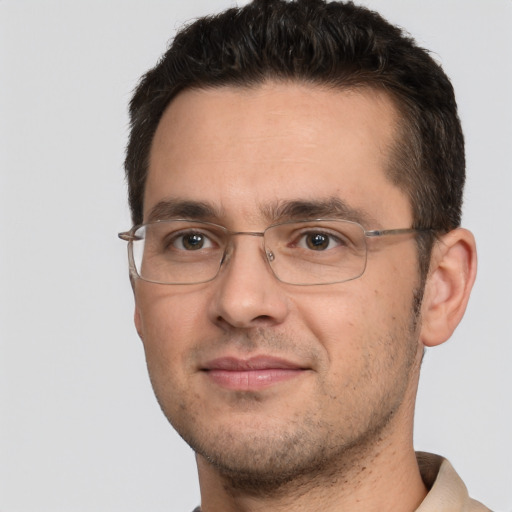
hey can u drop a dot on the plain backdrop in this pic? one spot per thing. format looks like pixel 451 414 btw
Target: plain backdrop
pixel 80 430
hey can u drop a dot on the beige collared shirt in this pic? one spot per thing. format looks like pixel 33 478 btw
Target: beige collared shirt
pixel 447 491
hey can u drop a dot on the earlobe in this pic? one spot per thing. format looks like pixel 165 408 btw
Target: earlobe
pixel 448 285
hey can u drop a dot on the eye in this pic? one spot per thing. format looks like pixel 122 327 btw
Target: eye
pixel 190 241
pixel 318 241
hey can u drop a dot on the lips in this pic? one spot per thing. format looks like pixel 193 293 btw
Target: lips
pixel 251 374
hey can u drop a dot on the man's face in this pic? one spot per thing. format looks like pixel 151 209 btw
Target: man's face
pixel 261 377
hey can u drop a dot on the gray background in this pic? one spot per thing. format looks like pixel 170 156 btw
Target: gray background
pixel 80 429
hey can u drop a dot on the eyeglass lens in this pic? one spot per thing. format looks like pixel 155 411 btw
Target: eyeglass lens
pixel 302 253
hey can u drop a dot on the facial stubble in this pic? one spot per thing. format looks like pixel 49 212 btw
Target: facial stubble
pixel 269 456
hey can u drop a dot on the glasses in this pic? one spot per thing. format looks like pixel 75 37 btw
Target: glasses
pixel 304 252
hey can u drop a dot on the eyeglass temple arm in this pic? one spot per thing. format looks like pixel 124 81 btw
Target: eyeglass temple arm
pixel 401 231
pixel 128 236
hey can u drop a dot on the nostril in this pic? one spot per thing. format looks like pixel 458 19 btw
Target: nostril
pixel 228 322
pixel 263 318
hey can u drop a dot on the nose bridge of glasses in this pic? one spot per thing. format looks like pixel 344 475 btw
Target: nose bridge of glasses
pixel 248 233
pixel 231 245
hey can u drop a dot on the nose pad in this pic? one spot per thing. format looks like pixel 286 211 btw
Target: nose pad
pixel 247 293
pixel 266 254
pixel 226 257
pixel 230 248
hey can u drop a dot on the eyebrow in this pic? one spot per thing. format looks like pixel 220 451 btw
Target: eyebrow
pixel 180 209
pixel 331 208
pixel 280 211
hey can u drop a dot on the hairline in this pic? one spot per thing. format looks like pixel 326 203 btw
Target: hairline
pixel 401 123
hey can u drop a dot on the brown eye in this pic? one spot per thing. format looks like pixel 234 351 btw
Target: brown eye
pixel 317 241
pixel 192 241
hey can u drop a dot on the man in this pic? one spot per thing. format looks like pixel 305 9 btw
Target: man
pixel 295 176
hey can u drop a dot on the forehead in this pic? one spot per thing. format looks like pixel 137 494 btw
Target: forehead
pixel 243 149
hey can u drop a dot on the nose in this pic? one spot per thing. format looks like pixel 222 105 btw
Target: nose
pixel 247 293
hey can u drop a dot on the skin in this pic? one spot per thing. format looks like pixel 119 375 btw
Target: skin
pixel 337 433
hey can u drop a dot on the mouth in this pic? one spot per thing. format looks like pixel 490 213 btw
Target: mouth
pixel 251 374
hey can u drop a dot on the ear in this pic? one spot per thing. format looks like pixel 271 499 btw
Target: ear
pixel 448 286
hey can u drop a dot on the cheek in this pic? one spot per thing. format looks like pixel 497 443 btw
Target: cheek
pixel 355 323
pixel 344 315
pixel 169 325
pixel 336 320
